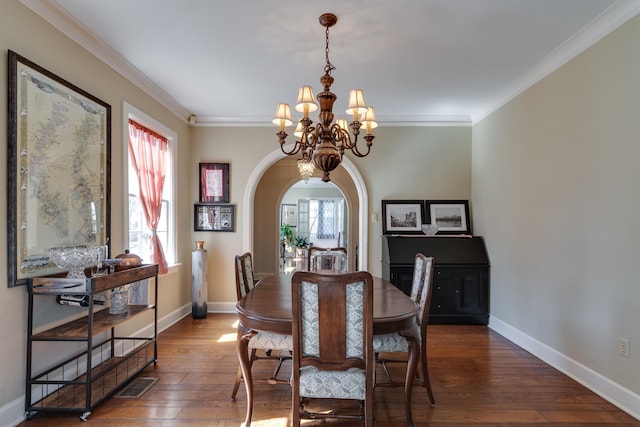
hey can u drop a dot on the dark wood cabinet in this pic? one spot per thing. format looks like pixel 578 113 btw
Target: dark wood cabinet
pixel 461 274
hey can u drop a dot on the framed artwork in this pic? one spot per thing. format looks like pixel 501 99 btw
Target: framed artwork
pixel 402 216
pixel 59 169
pixel 214 217
pixel 214 182
pixel 289 215
pixel 451 216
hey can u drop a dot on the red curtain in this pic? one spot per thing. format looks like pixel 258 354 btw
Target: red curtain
pixel 148 152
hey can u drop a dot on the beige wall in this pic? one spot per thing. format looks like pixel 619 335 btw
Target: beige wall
pixel 30 36
pixel 555 192
pixel 405 163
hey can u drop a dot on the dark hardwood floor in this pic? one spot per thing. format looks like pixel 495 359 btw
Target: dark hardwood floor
pixel 478 377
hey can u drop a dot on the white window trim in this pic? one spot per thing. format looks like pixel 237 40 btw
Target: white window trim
pixel 130 112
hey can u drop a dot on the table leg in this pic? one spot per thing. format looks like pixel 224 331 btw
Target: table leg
pixel 242 347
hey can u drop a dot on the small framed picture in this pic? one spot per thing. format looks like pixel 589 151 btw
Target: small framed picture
pixel 451 216
pixel 402 216
pixel 214 182
pixel 214 217
pixel 289 215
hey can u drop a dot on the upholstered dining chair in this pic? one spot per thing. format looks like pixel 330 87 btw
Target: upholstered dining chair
pixel 421 289
pixel 265 341
pixel 332 342
pixel 318 250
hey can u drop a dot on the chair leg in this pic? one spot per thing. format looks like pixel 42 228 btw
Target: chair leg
pixel 295 408
pixel 425 376
pixel 383 362
pixel 236 386
pixel 274 377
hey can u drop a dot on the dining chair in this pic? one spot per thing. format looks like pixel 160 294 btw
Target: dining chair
pixel 318 250
pixel 265 341
pixel 332 342
pixel 421 289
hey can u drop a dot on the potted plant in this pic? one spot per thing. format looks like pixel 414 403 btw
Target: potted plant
pixel 286 239
pixel 301 244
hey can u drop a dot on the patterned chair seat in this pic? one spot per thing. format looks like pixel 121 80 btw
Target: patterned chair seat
pixel 390 343
pixel 271 341
pixel 349 384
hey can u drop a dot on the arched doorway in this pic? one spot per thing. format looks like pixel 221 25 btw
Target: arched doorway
pixel 318 212
pixel 350 174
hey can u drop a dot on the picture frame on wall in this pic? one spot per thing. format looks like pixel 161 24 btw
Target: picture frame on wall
pixel 214 217
pixel 289 215
pixel 59 169
pixel 451 216
pixel 214 182
pixel 402 216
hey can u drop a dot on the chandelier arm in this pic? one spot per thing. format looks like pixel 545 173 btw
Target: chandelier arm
pixel 297 146
pixel 357 152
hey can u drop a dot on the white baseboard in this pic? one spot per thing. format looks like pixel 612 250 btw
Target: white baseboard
pixel 618 395
pixel 13 412
pixel 221 307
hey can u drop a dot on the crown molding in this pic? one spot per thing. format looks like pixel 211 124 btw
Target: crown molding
pixel 610 19
pixel 60 19
pixel 616 15
pixel 264 121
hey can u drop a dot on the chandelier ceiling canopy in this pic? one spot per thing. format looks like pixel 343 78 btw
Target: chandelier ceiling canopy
pixel 323 144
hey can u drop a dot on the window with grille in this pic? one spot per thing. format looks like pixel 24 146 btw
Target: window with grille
pixel 138 233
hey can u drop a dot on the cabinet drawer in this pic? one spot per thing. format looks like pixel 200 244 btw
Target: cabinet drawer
pixel 442 274
pixel 442 306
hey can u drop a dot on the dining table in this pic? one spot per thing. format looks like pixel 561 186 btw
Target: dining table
pixel 268 308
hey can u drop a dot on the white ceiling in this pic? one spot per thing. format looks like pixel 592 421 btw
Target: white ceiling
pixel 418 61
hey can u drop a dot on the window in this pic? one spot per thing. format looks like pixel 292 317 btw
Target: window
pixel 321 218
pixel 138 236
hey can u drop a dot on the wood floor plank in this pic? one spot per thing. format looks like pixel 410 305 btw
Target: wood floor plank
pixel 479 379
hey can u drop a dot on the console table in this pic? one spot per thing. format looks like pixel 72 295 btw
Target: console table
pixel 461 274
pixel 101 360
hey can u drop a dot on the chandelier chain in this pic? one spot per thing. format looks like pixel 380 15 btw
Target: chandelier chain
pixel 329 67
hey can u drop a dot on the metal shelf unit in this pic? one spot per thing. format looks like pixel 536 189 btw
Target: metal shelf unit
pixel 80 382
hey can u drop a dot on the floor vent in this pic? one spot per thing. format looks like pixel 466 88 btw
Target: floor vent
pixel 137 387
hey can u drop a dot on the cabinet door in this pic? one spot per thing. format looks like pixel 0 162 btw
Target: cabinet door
pixel 402 277
pixel 471 289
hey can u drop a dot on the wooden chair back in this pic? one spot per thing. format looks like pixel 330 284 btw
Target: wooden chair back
pixel 244 275
pixel 422 288
pixel 333 327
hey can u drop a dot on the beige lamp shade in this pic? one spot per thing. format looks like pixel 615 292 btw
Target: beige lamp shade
pixel 356 106
pixel 306 102
pixel 283 116
pixel 298 132
pixel 368 119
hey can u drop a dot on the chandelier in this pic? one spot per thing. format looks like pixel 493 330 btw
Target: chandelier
pixel 324 143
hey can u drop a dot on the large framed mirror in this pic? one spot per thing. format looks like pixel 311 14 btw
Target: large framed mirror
pixel 59 169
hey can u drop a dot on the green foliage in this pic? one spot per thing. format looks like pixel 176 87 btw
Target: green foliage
pixel 286 234
pixel 301 242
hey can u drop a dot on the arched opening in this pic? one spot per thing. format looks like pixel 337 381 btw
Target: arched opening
pixel 261 226
pixel 318 214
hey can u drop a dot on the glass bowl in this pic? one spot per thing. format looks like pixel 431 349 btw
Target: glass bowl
pixel 75 259
pixel 429 229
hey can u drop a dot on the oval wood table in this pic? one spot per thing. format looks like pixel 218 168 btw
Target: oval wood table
pixel 268 308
